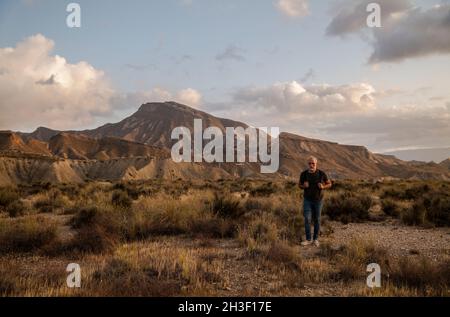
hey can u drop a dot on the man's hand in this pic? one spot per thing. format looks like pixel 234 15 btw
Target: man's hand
pixel 320 185
pixel 306 185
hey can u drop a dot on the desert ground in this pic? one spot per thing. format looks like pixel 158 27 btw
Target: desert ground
pixel 223 238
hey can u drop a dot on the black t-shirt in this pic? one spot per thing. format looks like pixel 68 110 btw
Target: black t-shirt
pixel 313 192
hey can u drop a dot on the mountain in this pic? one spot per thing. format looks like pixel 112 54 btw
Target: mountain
pixel 153 123
pixel 13 142
pixel 65 145
pixel 445 164
pixel 424 155
pixel 138 147
pixel 81 147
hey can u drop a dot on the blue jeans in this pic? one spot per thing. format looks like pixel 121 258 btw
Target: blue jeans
pixel 311 211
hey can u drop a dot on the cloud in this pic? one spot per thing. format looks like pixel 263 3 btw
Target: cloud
pixel 41 89
pixel 349 114
pixel 190 97
pixel 406 32
pixel 293 97
pixel 131 100
pixel 352 15
pixel 38 88
pixel 293 8
pixel 414 34
pixel 308 76
pixel 232 52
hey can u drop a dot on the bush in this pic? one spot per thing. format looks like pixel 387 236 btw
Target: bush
pixel 84 217
pixel 227 207
pixel 415 215
pixel 281 252
pixel 392 207
pixel 348 207
pixel 93 239
pixel 265 189
pixel 26 234
pixel 16 209
pixel 214 228
pixel 422 275
pixel 438 210
pixel 50 202
pixel 8 195
pixel 121 199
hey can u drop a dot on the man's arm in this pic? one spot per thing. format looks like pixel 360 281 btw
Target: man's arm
pixel 301 181
pixel 326 185
pixel 326 182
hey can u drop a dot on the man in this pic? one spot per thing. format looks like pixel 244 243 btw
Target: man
pixel 313 181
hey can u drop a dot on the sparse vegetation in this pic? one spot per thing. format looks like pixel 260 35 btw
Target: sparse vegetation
pixel 178 238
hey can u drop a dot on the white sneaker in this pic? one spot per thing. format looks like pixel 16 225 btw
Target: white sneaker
pixel 306 243
pixel 316 243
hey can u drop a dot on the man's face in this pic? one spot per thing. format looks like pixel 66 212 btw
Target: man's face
pixel 312 165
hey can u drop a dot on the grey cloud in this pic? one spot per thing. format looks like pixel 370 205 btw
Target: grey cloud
pixel 417 33
pixel 232 52
pixel 406 32
pixel 308 76
pixel 353 15
pixel 140 67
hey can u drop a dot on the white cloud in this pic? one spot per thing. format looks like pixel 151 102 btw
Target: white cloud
pixel 37 88
pixel 293 8
pixel 190 97
pixel 349 114
pixel 293 97
pixel 41 89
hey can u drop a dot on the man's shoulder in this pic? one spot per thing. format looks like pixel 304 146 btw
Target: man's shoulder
pixel 322 173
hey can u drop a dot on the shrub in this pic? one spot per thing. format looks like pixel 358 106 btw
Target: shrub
pixel 93 239
pixel 84 217
pixel 26 234
pixel 415 215
pixel 16 209
pixel 348 207
pixel 50 201
pixel 422 275
pixel 121 199
pixel 392 207
pixel 265 189
pixel 214 227
pixel 438 210
pixel 282 252
pixel 227 207
pixel 8 195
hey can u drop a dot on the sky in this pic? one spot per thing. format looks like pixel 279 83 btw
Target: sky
pixel 312 68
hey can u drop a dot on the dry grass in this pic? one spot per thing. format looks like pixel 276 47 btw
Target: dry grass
pixel 137 239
